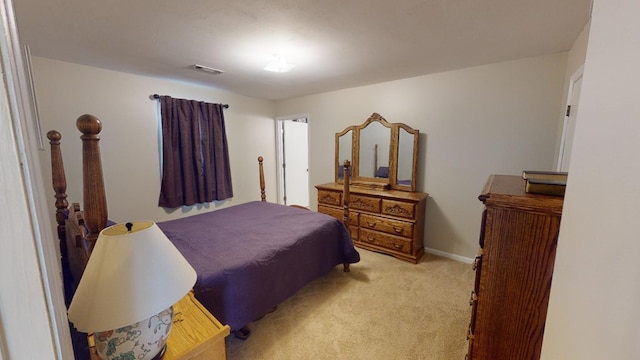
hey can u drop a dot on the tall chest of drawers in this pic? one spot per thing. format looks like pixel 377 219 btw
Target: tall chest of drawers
pixel 514 268
pixel 386 221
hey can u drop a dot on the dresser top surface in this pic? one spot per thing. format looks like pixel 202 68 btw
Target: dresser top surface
pixel 505 185
pixel 396 194
pixel 509 190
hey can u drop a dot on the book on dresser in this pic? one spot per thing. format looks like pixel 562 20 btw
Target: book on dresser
pixel 545 182
pixel 545 175
pixel 546 187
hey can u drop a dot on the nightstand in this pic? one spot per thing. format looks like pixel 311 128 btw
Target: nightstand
pixel 195 335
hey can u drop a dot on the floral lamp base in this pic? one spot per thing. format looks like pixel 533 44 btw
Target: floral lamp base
pixel 145 340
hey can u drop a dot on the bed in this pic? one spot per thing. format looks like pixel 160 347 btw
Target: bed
pixel 248 257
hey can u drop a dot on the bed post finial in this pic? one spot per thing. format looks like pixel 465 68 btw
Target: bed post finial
pixel 263 196
pixel 95 202
pixel 89 125
pixel 59 186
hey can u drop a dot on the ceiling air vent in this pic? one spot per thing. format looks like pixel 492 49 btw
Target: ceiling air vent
pixel 208 69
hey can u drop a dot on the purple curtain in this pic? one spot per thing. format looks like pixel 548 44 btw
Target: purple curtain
pixel 195 155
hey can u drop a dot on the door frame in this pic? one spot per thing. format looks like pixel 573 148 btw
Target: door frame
pixel 577 75
pixel 39 288
pixel 280 152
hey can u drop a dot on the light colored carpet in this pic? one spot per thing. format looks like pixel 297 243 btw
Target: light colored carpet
pixel 383 309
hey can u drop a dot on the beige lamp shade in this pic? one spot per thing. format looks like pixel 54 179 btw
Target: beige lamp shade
pixel 130 276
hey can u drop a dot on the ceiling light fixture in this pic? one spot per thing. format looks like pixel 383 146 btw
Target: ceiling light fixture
pixel 208 69
pixel 279 64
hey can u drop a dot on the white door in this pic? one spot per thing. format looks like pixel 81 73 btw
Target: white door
pixel 573 100
pixel 294 158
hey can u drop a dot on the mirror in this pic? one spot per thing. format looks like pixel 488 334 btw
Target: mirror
pixel 407 142
pixel 383 155
pixel 344 141
pixel 374 151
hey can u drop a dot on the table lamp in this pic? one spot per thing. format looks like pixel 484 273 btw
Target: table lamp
pixel 125 296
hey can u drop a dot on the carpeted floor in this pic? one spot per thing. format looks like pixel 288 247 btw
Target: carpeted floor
pixel 383 309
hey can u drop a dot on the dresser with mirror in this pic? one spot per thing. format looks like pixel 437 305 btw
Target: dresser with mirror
pixel 386 213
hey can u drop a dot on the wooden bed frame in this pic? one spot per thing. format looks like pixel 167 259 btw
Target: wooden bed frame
pixel 78 229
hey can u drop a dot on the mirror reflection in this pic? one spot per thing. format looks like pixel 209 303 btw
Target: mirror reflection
pixel 374 151
pixel 344 152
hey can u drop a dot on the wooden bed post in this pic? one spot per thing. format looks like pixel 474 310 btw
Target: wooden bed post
pixel 345 201
pixel 95 202
pixel 60 187
pixel 345 193
pixel 263 196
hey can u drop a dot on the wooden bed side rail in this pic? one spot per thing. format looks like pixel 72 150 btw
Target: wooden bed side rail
pixel 94 198
pixel 78 249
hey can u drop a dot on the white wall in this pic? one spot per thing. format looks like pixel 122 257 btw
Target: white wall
pixel 129 139
pixel 593 310
pixel 578 52
pixel 575 59
pixel 493 119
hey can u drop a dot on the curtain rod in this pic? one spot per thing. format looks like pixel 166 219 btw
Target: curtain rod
pixel 156 96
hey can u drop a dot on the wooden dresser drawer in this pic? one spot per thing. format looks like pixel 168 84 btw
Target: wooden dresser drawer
pixel 364 203
pixel 339 214
pixel 329 197
pixel 514 270
pixel 398 208
pixel 387 221
pixel 394 227
pixel 388 241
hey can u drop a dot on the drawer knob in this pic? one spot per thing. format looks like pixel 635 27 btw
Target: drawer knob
pixel 398 230
pixel 477 259
pixel 470 335
pixel 473 298
pixel 397 246
pixel 371 224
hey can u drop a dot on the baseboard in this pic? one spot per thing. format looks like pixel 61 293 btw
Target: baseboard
pixel 448 255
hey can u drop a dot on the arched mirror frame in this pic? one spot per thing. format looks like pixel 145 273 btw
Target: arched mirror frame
pixel 394 142
pixel 374 124
pixel 412 152
pixel 339 160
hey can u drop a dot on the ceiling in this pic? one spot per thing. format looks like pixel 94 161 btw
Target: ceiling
pixel 334 44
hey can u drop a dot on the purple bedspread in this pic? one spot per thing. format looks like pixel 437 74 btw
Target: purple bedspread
pixel 251 257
